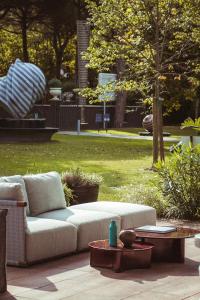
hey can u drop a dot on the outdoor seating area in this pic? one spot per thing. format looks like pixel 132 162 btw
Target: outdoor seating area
pixel 40 226
pixel 72 278
pixel 100 150
pixel 52 240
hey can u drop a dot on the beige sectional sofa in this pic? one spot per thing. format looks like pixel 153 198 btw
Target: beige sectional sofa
pixel 40 226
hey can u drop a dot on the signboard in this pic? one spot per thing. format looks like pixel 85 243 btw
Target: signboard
pixel 98 118
pixel 104 79
pixel 107 117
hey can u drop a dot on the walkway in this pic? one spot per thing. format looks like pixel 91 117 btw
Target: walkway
pixel 119 136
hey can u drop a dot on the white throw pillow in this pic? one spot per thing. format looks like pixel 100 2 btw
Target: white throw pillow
pixel 18 179
pixel 11 191
pixel 45 192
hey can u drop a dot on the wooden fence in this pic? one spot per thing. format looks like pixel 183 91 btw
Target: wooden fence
pixel 65 117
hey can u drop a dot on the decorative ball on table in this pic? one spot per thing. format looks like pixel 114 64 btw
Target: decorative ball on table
pixel 127 237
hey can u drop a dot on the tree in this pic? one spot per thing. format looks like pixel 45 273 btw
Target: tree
pixel 18 17
pixel 60 26
pixel 153 38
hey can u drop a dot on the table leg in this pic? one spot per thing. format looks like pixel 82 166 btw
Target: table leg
pixel 168 250
pixel 117 261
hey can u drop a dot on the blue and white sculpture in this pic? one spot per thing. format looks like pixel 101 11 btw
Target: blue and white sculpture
pixel 23 86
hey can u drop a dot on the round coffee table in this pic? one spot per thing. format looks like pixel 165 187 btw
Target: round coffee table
pixel 169 247
pixel 120 258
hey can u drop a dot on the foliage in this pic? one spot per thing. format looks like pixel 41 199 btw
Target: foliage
pixel 154 40
pixel 10 49
pixel 120 35
pixel 189 123
pixel 55 83
pixel 147 195
pixel 68 86
pixel 76 177
pixel 180 183
pixel 68 194
pixel 39 31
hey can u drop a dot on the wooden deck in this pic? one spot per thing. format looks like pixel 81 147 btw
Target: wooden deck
pixel 72 278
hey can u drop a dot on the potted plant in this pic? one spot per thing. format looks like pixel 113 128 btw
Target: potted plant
pixel 84 186
pixel 55 88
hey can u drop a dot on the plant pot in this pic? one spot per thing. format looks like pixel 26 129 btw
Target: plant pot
pixel 84 194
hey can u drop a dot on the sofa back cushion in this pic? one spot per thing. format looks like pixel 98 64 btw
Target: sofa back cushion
pixel 11 191
pixel 18 179
pixel 45 192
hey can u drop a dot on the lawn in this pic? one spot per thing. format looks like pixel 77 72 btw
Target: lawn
pixel 123 163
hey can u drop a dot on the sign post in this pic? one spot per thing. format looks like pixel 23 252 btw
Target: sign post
pixel 104 79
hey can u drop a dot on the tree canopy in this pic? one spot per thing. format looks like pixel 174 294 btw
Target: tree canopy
pixel 158 41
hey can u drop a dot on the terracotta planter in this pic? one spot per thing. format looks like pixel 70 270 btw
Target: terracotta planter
pixel 84 194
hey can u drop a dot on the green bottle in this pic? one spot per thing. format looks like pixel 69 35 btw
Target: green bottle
pixel 113 234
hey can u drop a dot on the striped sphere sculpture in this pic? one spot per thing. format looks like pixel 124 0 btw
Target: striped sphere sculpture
pixel 147 123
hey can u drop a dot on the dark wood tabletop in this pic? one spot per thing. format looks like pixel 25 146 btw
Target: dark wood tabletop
pixel 180 233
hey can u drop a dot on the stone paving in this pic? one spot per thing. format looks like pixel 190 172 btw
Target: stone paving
pixel 119 136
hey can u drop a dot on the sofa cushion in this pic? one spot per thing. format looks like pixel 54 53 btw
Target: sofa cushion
pixel 18 179
pixel 197 240
pixel 132 215
pixel 47 238
pixel 11 191
pixel 91 225
pixel 45 192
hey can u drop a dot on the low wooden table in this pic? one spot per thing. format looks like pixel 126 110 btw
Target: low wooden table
pixel 120 258
pixel 169 247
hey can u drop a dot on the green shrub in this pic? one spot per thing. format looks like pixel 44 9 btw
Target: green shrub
pixel 180 183
pixel 54 83
pixel 68 86
pixel 68 194
pixel 146 195
pixel 76 177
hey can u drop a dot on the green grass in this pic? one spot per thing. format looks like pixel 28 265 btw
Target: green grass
pixel 122 163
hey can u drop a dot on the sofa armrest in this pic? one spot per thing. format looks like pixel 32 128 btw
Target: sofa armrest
pixel 16 226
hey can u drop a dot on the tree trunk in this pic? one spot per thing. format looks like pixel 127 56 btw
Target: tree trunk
pixel 158 146
pixel 59 56
pixel 155 128
pixel 120 105
pixel 160 131
pixel 3 282
pixel 196 110
pixel 24 40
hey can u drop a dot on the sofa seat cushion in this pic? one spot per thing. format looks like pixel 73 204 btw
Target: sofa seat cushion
pixel 132 215
pixel 18 179
pixel 45 192
pixel 91 225
pixel 47 238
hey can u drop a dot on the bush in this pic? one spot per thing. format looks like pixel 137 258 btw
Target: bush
pixel 180 183
pixel 54 83
pixel 68 86
pixel 146 195
pixel 80 187
pixel 76 177
pixel 68 194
